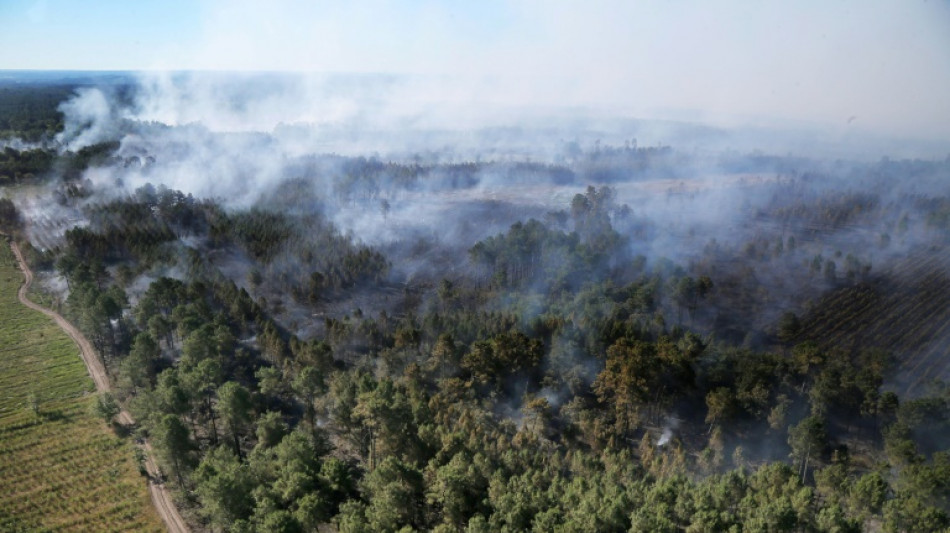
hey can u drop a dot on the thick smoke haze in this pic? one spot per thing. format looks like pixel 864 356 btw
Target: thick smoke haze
pixel 880 67
pixel 234 137
pixel 503 113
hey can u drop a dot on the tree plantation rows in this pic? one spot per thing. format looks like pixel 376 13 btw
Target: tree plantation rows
pixel 905 312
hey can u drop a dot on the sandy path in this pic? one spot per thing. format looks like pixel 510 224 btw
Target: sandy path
pixel 161 498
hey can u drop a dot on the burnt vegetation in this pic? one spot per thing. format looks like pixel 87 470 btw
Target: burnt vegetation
pixel 632 355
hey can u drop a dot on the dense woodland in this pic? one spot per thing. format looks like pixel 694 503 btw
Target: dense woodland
pixel 559 379
pixel 29 112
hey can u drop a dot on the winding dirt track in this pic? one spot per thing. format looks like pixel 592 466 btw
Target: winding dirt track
pixel 161 498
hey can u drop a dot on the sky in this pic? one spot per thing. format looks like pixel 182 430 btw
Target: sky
pixel 882 66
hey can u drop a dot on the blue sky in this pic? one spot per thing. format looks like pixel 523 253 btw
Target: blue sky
pixel 98 35
pixel 240 35
pixel 887 63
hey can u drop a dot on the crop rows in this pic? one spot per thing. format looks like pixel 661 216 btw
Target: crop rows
pixel 61 469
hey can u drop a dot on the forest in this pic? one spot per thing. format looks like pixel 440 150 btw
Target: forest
pixel 616 338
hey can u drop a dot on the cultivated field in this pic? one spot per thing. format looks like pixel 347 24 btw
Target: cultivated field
pixel 61 469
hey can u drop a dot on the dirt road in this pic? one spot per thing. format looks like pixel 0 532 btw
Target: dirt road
pixel 161 498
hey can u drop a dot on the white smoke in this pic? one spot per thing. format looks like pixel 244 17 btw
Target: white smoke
pixel 88 119
pixel 669 426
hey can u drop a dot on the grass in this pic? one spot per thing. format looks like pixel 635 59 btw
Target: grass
pixel 61 469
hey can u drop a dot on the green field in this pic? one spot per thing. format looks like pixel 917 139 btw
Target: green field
pixel 61 469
